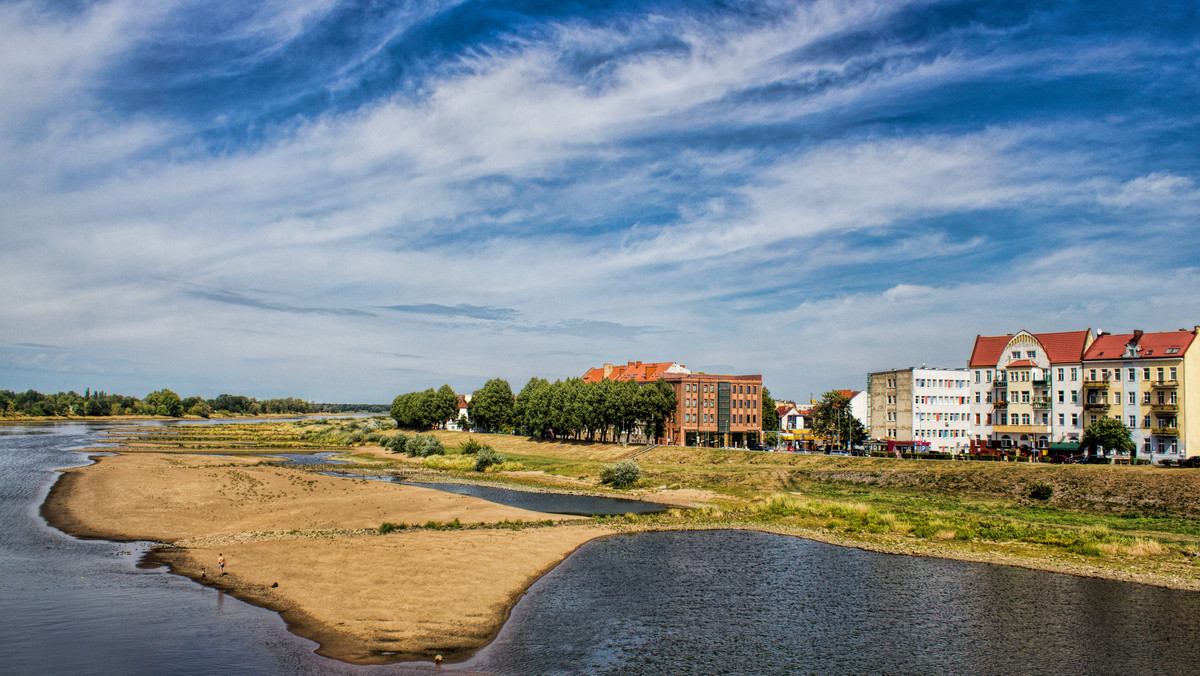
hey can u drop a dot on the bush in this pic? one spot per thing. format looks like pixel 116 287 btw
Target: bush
pixel 623 474
pixel 1040 490
pixel 425 445
pixel 398 443
pixel 471 447
pixel 487 457
pixel 385 528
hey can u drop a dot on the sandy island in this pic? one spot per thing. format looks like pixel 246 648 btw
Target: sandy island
pixel 308 546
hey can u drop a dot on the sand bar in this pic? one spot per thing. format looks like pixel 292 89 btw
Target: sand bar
pixel 307 545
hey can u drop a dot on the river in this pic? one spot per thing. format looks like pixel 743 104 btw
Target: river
pixel 653 603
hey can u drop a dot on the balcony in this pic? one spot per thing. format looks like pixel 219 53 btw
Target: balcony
pixel 1041 402
pixel 1095 405
pixel 1000 404
pixel 1165 431
pixel 1163 408
pixel 1096 384
pixel 1041 382
pixel 1163 384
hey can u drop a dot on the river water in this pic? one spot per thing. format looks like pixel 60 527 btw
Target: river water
pixel 724 602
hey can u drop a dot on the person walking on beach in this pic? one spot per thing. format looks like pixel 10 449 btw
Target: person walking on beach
pixel 221 562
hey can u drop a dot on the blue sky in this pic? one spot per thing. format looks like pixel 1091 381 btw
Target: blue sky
pixel 346 201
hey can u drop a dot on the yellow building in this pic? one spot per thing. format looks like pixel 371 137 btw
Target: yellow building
pixel 1148 382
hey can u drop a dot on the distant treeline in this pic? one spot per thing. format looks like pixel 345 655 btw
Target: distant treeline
pixel 163 402
pixel 571 408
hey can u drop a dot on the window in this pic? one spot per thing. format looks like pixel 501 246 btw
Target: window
pixel 1160 374
pixel 1004 418
pixel 1091 374
pixel 1074 373
pixel 1062 397
pixel 1075 420
pixel 1146 373
pixel 1132 421
pixel 1146 422
pixel 1133 397
pixel 976 418
pixel 1172 350
pixel 977 397
pixel 1062 419
pixel 1172 370
pixel 1145 398
pixel 988 375
pixel 1025 397
pixel 1016 354
pixel 1024 418
pixel 1074 396
pixel 1060 374
pixel 1132 375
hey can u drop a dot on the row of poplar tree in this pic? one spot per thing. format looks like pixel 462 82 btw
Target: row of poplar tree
pixel 563 409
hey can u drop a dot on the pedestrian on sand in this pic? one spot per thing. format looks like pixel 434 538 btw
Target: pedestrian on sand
pixel 221 562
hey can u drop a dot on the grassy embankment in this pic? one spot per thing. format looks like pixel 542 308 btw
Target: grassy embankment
pixel 1135 523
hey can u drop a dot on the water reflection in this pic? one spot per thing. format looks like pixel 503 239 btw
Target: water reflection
pixel 749 602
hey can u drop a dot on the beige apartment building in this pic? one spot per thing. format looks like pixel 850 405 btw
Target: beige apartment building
pixel 1149 382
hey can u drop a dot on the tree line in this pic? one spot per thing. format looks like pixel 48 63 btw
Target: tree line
pixel 162 402
pixel 562 409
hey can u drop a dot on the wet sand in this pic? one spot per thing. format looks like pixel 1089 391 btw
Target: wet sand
pixel 307 546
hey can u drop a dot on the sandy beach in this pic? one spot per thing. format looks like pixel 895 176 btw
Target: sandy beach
pixel 308 546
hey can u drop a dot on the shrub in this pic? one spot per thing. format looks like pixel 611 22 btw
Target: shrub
pixel 356 437
pixel 385 528
pixel 398 443
pixel 487 457
pixel 1040 490
pixel 623 474
pixel 471 447
pixel 425 445
pixel 376 438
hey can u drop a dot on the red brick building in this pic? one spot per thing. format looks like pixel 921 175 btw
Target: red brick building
pixel 711 410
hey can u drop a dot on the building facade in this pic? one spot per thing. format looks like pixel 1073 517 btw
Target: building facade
pixel 716 411
pixel 1149 382
pixel 1026 390
pixel 921 405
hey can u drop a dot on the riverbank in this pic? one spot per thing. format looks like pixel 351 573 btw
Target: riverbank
pixel 310 547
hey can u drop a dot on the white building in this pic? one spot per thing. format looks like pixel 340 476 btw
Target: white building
pixel 921 405
pixel 1026 390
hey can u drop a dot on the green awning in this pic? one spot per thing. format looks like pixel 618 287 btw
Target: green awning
pixel 1064 446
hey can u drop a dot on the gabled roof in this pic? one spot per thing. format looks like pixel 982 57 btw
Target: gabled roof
pixel 1151 345
pixel 849 394
pixel 1065 347
pixel 1021 363
pixel 634 370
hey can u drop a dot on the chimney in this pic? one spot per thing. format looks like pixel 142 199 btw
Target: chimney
pixel 1137 335
pixel 608 369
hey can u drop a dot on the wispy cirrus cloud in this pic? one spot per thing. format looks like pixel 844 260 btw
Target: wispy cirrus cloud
pixel 552 188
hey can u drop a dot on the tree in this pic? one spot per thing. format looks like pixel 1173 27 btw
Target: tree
pixel 165 402
pixel 446 406
pixel 770 414
pixel 1110 434
pixel 831 420
pixel 492 406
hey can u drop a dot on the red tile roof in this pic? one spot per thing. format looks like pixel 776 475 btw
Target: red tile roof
pixel 849 394
pixel 1021 363
pixel 1153 345
pixel 634 370
pixel 1064 347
